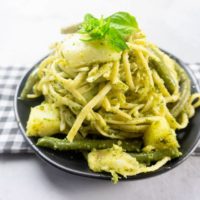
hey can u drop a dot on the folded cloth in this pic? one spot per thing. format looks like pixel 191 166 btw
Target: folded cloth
pixel 11 139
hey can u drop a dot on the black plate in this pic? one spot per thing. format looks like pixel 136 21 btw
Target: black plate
pixel 74 163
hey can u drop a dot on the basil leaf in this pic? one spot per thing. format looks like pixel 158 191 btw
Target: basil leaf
pixel 124 23
pixel 96 28
pixel 90 22
pixel 115 40
pixel 100 31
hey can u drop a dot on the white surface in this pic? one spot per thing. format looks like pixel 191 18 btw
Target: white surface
pixel 26 30
pixel 27 177
pixel 29 27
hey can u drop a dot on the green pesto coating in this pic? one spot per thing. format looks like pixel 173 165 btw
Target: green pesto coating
pixel 30 82
pixel 148 157
pixel 164 73
pixel 185 91
pixel 87 144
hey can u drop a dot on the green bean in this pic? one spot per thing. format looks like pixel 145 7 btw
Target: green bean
pixel 163 71
pixel 30 82
pixel 156 155
pixel 185 91
pixel 70 29
pixel 87 144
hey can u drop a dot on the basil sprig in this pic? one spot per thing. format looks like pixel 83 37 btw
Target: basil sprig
pixel 114 29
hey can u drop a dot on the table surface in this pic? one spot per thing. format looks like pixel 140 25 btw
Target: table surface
pixel 28 28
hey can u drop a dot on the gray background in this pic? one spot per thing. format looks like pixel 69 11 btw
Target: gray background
pixel 27 28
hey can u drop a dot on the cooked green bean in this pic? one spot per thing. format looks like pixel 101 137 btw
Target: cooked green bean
pixel 185 91
pixel 156 155
pixel 163 71
pixel 87 144
pixel 70 29
pixel 30 82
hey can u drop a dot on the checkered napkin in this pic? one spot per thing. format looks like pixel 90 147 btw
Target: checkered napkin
pixel 11 140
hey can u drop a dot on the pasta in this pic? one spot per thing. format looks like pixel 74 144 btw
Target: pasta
pixel 118 98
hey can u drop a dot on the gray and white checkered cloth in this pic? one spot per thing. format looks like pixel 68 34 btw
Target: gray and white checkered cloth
pixel 11 140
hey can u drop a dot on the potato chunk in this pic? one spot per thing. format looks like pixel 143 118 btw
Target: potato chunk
pixel 43 120
pixel 160 135
pixel 116 161
pixel 78 53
